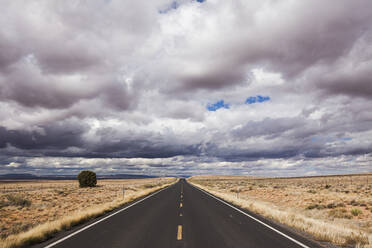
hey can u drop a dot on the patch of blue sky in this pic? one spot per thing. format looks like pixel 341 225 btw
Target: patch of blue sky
pixel 171 6
pixel 175 4
pixel 219 104
pixel 257 99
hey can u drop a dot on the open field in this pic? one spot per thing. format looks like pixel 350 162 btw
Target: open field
pixel 31 211
pixel 336 209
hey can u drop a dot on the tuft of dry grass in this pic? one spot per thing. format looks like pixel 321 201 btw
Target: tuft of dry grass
pixel 80 213
pixel 13 200
pixel 327 208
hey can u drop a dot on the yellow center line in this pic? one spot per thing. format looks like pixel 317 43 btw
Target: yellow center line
pixel 179 233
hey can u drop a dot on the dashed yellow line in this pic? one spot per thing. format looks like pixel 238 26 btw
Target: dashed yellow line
pixel 179 232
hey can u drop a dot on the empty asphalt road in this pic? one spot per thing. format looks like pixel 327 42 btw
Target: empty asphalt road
pixel 180 216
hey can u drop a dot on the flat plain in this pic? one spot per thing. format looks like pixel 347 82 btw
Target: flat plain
pixel 336 209
pixel 30 211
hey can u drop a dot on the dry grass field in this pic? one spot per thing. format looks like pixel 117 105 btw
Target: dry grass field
pixel 31 211
pixel 336 209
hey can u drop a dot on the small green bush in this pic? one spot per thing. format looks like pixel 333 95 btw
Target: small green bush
pixel 87 179
pixel 356 212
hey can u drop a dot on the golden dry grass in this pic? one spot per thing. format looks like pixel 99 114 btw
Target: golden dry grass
pixel 335 209
pixel 58 205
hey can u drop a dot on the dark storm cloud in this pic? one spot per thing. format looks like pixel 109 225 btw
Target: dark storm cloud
pixel 357 83
pixel 54 136
pixel 271 128
pixel 213 80
pixel 283 148
pixel 238 155
pixel 26 85
pixel 142 145
pixel 68 60
pixel 10 53
pixel 145 148
pixel 68 139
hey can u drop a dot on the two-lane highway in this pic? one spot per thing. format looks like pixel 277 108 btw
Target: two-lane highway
pixel 180 216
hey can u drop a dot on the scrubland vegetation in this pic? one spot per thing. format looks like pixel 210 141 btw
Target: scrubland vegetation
pixel 336 209
pixel 33 211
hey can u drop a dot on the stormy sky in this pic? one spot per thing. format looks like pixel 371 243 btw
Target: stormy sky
pixel 264 88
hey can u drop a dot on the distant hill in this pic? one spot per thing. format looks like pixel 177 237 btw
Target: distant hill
pixel 27 176
pixel 123 176
pixel 18 176
pixel 219 177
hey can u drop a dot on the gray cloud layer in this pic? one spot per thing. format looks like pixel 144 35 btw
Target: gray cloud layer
pixel 101 84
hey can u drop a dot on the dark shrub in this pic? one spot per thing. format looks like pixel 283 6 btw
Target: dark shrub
pixel 87 179
pixel 18 201
pixel 341 205
pixel 331 205
pixel 312 206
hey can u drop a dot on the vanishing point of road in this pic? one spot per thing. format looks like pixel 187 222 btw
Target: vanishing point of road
pixel 180 216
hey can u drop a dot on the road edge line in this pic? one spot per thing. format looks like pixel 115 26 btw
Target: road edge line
pixel 250 216
pixel 104 218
